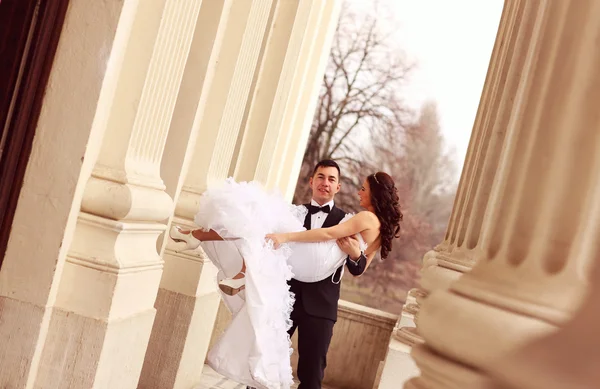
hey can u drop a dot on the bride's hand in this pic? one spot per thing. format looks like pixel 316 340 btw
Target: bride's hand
pixel 277 239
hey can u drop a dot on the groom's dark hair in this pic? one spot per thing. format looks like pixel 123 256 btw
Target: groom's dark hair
pixel 327 163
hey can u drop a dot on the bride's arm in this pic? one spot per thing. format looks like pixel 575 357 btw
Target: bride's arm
pixel 358 223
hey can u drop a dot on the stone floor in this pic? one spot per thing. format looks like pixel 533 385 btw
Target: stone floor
pixel 213 380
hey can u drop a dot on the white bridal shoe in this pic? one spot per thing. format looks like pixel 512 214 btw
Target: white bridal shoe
pixel 189 239
pixel 232 286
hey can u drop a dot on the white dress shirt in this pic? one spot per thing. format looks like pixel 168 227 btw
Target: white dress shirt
pixel 317 219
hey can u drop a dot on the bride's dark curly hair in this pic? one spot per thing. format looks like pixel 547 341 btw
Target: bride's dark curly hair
pixel 385 201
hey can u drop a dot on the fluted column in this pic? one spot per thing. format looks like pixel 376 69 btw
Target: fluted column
pixel 227 98
pixel 480 136
pixel 534 244
pixel 211 109
pixel 460 249
pixel 183 317
pixel 270 103
pixel 568 358
pixel 288 48
pixel 450 259
pixel 110 278
pixel 282 167
pixel 463 243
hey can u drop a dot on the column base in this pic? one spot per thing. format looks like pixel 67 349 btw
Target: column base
pixel 82 352
pixel 467 325
pixel 440 373
pixel 179 341
pixel 399 366
pixel 20 329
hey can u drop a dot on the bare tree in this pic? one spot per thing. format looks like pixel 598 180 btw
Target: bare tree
pixel 425 176
pixel 425 169
pixel 362 122
pixel 360 96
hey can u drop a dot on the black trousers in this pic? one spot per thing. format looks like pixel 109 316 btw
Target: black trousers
pixel 314 337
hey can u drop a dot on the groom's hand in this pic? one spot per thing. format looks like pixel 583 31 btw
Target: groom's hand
pixel 350 246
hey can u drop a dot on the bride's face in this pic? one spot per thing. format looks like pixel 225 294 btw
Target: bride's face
pixel 364 194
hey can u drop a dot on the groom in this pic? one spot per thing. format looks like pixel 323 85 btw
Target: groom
pixel 315 309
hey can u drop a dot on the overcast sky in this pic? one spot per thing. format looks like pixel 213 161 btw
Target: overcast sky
pixel 451 41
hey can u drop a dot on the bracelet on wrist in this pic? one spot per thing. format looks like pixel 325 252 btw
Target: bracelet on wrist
pixel 362 254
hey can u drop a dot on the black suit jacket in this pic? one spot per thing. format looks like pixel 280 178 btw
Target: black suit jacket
pixel 320 299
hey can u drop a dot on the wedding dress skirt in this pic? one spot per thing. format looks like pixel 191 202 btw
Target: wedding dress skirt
pixel 255 348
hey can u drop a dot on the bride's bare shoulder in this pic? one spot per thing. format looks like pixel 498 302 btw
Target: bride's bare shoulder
pixel 368 215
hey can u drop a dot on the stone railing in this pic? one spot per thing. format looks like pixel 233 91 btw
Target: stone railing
pixel 359 345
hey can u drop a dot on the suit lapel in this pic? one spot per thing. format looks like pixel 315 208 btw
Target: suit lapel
pixel 307 220
pixel 335 216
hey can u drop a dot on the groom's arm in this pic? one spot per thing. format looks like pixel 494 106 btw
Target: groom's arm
pixel 356 261
pixel 357 267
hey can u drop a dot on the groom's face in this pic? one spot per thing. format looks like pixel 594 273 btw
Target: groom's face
pixel 325 183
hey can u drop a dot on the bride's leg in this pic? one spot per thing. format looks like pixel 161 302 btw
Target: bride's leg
pixel 212 235
pixel 230 286
pixel 201 235
pixel 242 272
pixel 204 236
pixel 234 285
pixel 192 238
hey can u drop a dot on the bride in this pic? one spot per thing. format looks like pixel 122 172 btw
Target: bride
pixel 258 242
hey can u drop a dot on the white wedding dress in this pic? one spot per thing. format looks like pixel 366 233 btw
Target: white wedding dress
pixel 255 348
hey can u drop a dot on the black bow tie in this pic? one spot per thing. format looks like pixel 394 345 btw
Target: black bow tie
pixel 314 209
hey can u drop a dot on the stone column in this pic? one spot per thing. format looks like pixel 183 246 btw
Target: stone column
pixel 280 64
pixel 533 249
pixel 282 168
pixel 275 97
pixel 568 358
pixel 398 366
pixel 67 141
pixel 198 77
pixel 227 98
pixel 211 107
pixel 463 242
pixel 103 314
pixel 461 247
